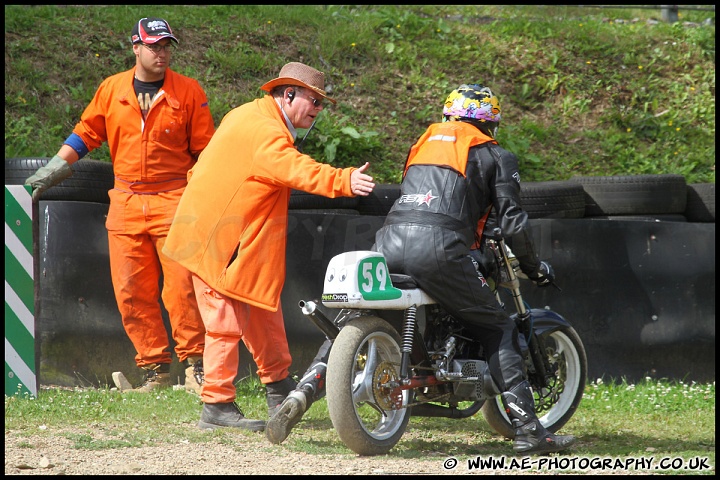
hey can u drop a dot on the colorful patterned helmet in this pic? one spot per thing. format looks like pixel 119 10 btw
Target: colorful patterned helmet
pixel 475 104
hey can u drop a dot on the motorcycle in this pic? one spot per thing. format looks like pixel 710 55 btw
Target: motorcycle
pixel 396 353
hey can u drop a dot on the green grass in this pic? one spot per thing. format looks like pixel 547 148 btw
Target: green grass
pixel 584 91
pixel 615 419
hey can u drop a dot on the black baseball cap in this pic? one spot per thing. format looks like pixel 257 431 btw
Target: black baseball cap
pixel 150 30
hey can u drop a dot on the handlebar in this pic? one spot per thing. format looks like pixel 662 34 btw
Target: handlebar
pixel 505 257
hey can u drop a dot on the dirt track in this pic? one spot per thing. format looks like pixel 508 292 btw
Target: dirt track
pixel 52 453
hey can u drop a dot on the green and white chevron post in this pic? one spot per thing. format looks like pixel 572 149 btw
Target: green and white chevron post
pixel 20 367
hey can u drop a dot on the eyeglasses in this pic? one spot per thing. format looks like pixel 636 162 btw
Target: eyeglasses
pixel 156 49
pixel 316 103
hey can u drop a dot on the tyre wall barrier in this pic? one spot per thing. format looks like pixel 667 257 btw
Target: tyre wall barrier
pixel 626 259
pixel 640 293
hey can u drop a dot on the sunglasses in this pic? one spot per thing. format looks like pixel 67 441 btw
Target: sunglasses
pixel 316 103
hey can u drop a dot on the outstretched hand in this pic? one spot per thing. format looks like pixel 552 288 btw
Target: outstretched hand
pixel 360 182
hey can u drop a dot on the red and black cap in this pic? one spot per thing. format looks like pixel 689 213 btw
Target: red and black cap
pixel 150 30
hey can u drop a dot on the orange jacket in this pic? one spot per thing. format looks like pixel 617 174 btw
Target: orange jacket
pixel 230 227
pixel 178 127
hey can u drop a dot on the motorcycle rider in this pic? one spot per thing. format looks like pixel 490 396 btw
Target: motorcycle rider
pixel 456 177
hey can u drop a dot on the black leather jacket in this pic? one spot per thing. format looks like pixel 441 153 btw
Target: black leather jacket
pixel 437 195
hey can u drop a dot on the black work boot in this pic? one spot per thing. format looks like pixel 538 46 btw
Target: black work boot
pixel 276 392
pixel 217 415
pixel 530 435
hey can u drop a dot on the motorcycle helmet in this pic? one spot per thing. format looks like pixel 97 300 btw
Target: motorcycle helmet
pixel 475 104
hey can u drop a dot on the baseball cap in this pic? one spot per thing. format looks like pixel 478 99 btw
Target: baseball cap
pixel 150 30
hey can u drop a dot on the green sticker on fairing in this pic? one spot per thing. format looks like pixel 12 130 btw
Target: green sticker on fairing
pixel 374 280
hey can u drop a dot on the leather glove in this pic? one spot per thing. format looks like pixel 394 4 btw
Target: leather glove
pixel 544 276
pixel 50 175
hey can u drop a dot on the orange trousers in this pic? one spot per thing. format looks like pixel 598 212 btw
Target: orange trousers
pixel 137 225
pixel 227 322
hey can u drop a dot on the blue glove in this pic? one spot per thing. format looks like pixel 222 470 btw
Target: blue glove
pixel 544 275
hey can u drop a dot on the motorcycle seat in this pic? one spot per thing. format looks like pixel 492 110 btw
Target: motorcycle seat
pixel 402 281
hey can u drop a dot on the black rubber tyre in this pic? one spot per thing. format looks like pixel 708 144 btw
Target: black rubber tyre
pixel 380 199
pixel 633 194
pixel 700 202
pixel 556 406
pixel 90 182
pixel 326 211
pixel 369 419
pixel 553 199
pixel 300 200
pixel 668 217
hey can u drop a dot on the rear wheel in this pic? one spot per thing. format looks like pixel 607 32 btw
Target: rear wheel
pixel 556 404
pixel 368 412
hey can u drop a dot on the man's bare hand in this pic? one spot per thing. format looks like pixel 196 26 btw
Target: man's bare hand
pixel 360 182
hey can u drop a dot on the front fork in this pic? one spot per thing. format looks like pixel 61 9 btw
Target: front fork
pixel 538 362
pixel 539 365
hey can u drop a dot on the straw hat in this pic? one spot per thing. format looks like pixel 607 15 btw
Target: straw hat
pixel 295 73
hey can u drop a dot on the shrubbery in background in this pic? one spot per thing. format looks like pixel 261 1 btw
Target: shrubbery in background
pixel 584 91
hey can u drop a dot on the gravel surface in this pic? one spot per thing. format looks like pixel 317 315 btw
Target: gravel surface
pixel 55 455
pixel 51 453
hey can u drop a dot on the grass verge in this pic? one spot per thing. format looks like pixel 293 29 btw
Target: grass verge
pixel 616 420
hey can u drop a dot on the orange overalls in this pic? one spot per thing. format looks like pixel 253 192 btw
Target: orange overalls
pixel 231 231
pixel 151 158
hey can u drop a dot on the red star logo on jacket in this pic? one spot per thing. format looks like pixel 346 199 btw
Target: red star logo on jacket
pixel 426 199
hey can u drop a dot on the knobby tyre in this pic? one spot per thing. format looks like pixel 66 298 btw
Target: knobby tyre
pixel 369 418
pixel 556 405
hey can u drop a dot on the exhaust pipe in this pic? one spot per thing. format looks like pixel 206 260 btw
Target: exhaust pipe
pixel 309 309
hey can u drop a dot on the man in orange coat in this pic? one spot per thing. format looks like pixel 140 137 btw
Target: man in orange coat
pixel 156 122
pixel 230 231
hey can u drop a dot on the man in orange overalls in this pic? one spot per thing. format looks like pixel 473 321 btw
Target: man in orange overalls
pixel 156 123
pixel 230 230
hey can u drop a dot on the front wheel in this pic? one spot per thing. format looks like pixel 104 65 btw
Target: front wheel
pixel 556 404
pixel 369 414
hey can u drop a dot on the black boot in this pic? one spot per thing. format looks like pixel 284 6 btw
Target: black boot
pixel 530 435
pixel 216 415
pixel 276 392
pixel 310 389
